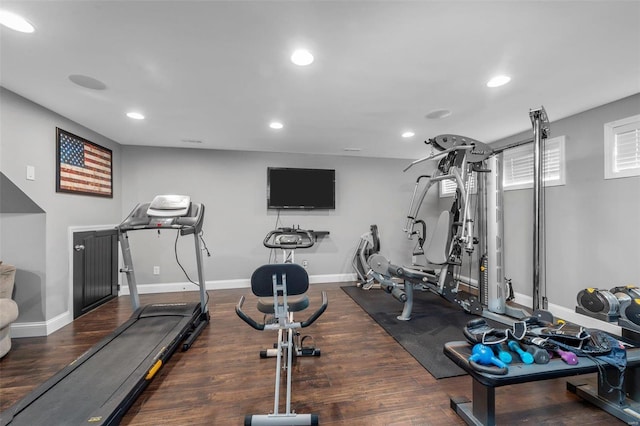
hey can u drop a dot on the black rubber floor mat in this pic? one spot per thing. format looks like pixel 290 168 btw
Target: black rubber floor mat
pixel 434 322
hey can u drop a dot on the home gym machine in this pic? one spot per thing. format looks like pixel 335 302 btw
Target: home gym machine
pixel 281 291
pixel 454 235
pixel 368 245
pixel 99 386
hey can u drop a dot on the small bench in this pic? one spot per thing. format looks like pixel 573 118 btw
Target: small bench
pixel 481 410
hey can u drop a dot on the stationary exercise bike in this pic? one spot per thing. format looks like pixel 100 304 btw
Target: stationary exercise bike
pixel 288 240
pixel 281 289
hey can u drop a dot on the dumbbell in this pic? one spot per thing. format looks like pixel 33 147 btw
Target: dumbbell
pixel 482 358
pixel 540 356
pixel 525 357
pixel 567 356
pixel 503 353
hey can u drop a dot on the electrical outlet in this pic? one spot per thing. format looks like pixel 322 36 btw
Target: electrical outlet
pixel 156 270
pixel 305 263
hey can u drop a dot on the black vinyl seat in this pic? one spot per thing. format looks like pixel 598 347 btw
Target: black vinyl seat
pixel 295 303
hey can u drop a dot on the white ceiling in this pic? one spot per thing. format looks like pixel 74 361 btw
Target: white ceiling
pixel 219 71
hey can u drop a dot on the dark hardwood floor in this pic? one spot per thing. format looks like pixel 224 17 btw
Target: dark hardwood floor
pixel 362 378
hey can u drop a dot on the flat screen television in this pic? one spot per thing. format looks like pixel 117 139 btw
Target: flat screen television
pixel 303 189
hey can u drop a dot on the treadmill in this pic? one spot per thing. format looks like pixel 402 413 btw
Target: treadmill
pixel 100 386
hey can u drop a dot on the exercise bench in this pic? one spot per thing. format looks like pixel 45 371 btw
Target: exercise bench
pixel 481 410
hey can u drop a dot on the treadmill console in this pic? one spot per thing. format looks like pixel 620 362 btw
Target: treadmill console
pixel 166 211
pixel 169 205
pixel 163 222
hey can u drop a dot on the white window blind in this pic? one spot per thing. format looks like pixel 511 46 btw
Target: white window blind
pixel 622 148
pixel 448 187
pixel 517 165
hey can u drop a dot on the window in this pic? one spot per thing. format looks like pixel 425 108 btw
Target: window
pixel 448 187
pixel 622 148
pixel 517 164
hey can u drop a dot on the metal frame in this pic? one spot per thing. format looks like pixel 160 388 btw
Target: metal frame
pixel 540 124
pixel 175 212
pixel 283 322
pixel 128 270
pixel 481 410
pixel 458 156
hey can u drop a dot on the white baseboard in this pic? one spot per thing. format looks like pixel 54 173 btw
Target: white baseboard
pixel 184 286
pixel 332 278
pixel 44 328
pixel 560 312
pixel 225 284
pixel 40 328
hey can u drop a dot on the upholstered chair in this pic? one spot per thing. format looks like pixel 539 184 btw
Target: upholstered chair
pixel 8 307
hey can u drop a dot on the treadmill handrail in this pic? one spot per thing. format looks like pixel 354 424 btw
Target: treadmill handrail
pixel 187 224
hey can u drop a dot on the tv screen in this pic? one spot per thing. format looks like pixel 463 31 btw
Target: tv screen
pixel 289 188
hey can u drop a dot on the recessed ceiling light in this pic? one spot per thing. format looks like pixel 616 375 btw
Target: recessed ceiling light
pixel 87 82
pixel 15 22
pixel 438 113
pixel 499 80
pixel 302 57
pixel 353 149
pixel 276 125
pixel 135 115
pixel 408 134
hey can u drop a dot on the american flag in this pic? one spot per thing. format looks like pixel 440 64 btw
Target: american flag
pixel 84 167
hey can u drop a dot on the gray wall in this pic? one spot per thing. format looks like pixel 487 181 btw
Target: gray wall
pixel 592 224
pixel 232 186
pixel 40 253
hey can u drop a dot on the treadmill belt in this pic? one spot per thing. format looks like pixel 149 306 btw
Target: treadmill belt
pixel 99 385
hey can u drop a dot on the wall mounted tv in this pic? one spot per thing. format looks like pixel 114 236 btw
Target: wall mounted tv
pixel 291 188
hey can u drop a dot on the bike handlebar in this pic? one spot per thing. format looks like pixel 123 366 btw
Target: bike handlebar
pixel 299 238
pixel 261 326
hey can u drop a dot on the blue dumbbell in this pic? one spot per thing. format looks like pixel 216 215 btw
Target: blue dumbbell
pixel 525 357
pixel 503 353
pixel 483 360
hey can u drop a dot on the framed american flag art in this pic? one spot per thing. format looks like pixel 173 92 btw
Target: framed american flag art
pixel 82 166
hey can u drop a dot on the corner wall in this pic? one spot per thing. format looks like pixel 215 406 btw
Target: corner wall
pixel 28 137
